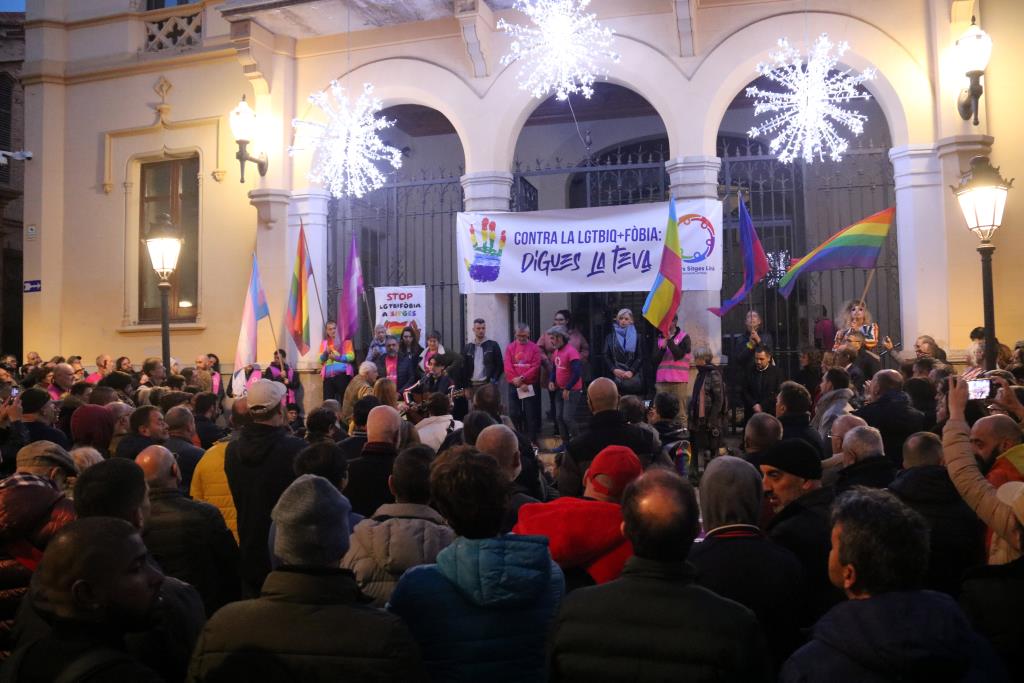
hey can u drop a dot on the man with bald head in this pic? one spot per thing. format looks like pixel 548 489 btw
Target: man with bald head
pixel 996 441
pixel 502 444
pixel 831 467
pixel 608 427
pixel 889 411
pixel 63 378
pixel 181 430
pixel 617 629
pixel 368 474
pixel 188 537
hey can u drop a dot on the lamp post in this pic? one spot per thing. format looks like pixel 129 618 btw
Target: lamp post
pixel 982 197
pixel 164 245
pixel 243 128
pixel 973 50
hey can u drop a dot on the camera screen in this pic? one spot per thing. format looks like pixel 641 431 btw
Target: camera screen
pixel 978 388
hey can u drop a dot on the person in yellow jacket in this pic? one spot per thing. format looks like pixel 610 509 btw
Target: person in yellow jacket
pixel 209 481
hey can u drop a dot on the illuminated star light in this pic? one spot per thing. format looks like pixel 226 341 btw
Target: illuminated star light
pixel 803 125
pixel 561 50
pixel 347 145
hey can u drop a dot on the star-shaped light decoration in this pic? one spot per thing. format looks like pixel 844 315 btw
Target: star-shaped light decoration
pixel 562 51
pixel 347 145
pixel 811 102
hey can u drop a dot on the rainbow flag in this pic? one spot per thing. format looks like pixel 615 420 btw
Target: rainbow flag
pixel 297 313
pixel 663 302
pixel 855 246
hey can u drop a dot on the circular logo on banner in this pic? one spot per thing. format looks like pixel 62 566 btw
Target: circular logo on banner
pixel 486 264
pixel 705 224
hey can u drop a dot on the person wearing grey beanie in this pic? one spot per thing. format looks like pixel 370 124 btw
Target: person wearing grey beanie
pixel 736 561
pixel 311 524
pixel 329 626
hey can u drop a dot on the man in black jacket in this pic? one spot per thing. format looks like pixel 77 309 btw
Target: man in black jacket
pixel 368 474
pixel 617 631
pixel 793 408
pixel 482 362
pixel 259 467
pixel 608 427
pixel 864 462
pixel 889 411
pixel 187 537
pixel 761 383
pixel 792 485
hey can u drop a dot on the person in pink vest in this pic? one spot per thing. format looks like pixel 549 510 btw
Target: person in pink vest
pixel 280 371
pixel 672 360
pixel 522 369
pixel 216 379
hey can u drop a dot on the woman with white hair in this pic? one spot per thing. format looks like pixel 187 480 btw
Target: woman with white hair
pixel 623 352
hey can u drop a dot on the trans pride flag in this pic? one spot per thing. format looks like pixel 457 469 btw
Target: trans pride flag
pixel 755 263
pixel 856 246
pixel 297 314
pixel 351 290
pixel 663 302
pixel 255 309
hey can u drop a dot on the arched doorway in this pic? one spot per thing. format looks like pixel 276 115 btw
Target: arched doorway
pixel 406 229
pixel 794 208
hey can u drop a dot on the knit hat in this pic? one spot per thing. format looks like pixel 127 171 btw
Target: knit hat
pixel 796 457
pixel 264 394
pixel 619 464
pixel 1012 493
pixel 92 425
pixel 312 523
pixel 33 400
pixel 46 454
pixel 730 493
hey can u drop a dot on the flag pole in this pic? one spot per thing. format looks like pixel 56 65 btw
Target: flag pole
pixel 867 285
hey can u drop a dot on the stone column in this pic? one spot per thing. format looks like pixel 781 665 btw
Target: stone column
pixel 275 262
pixel 309 208
pixel 487 191
pixel 696 177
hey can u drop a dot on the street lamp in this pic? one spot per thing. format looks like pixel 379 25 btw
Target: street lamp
pixel 982 197
pixel 243 128
pixel 973 50
pixel 164 245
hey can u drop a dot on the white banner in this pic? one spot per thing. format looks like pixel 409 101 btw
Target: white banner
pixel 397 307
pixel 607 249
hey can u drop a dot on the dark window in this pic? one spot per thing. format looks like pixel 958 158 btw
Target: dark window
pixel 6 102
pixel 171 187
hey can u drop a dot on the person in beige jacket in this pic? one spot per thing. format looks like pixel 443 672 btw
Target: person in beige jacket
pixel 399 535
pixel 975 489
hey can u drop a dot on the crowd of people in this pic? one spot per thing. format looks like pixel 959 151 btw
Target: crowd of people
pixel 868 527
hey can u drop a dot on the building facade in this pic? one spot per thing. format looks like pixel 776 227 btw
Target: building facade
pixel 127 114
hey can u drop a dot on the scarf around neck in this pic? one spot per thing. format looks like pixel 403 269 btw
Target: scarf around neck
pixel 626 337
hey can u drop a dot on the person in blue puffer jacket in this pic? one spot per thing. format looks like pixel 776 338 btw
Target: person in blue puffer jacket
pixel 482 612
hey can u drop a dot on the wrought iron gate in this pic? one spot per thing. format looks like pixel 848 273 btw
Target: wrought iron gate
pixel 406 236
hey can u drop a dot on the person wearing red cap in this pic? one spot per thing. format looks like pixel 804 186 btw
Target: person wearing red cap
pixel 585 535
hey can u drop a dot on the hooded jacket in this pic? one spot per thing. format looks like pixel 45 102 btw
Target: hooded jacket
pixel 902 636
pixel 831 406
pixel 583 534
pixel 32 510
pixel 957 536
pixel 482 612
pixel 398 537
pixel 259 467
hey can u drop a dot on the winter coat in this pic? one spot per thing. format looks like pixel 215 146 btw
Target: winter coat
pixel 739 563
pixel 655 624
pixel 617 357
pixel 188 456
pixel 482 612
pixel 309 624
pixel 804 528
pixel 831 406
pixel 607 428
pixel 133 444
pixel 875 472
pixel 742 354
pixel 898 636
pixel 208 431
pixel 367 487
pixel 434 429
pixel 259 466
pixel 190 541
pixel 798 426
pixel 406 371
pixel 957 536
pixel 210 484
pixel 398 537
pixel 896 419
pixel 760 387
pixel 494 365
pixel 979 493
pixel 992 597
pixel 32 510
pixel 582 534
pixel 708 379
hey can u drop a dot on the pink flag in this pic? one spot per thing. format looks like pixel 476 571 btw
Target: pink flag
pixel 351 290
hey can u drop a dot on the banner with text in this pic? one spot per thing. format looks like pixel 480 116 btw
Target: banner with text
pixel 398 307
pixel 606 249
